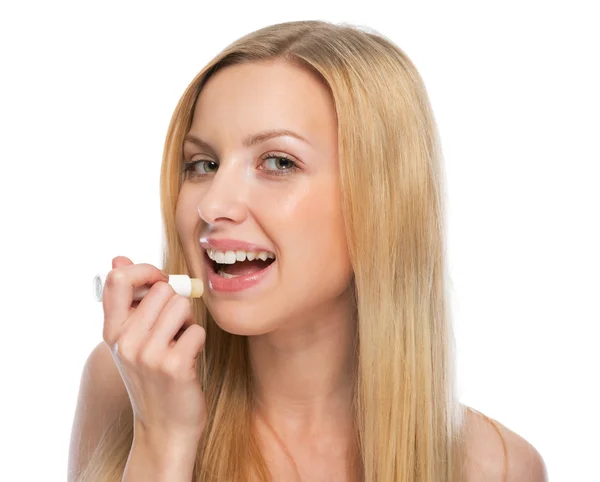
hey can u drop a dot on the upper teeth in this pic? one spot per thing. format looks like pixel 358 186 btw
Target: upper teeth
pixel 230 257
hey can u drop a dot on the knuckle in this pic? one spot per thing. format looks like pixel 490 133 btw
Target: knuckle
pixel 108 336
pixel 115 277
pixel 183 302
pixel 163 288
pixel 197 330
pixel 149 358
pixel 125 350
pixel 172 366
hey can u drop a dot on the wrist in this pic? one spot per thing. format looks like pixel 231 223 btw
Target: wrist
pixel 154 435
pixel 170 452
pixel 148 464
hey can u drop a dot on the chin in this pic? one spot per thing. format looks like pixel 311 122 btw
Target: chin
pixel 242 322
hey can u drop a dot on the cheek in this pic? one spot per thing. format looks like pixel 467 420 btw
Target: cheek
pixel 186 215
pixel 334 255
pixel 315 240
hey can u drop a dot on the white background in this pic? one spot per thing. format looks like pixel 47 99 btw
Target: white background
pixel 87 91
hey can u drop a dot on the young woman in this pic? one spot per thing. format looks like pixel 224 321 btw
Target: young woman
pixel 302 183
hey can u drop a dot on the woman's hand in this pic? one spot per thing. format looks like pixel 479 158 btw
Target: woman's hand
pixel 154 343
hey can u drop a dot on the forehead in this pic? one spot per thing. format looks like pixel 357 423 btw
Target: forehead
pixel 242 99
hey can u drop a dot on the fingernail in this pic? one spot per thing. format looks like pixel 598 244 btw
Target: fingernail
pixel 164 273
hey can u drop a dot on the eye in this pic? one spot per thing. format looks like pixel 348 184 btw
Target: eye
pixel 278 163
pixel 206 167
pixel 273 165
pixel 282 166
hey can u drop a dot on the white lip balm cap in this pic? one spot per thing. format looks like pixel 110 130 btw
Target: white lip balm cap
pixel 181 284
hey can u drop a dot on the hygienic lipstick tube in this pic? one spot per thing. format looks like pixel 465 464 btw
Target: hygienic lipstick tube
pixel 182 284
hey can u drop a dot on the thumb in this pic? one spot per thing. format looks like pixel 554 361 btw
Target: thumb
pixel 119 261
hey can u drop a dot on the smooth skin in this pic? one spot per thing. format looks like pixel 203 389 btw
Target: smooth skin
pixel 154 344
pixel 158 370
pixel 299 320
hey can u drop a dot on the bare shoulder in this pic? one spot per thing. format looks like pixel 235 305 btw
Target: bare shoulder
pixel 102 400
pixel 101 378
pixel 496 453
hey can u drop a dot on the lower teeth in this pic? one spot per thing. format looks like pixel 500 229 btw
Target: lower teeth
pixel 227 275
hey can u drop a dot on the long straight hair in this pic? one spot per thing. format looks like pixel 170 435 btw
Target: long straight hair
pixel 407 418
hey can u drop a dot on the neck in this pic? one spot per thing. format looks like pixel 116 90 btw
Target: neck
pixel 303 373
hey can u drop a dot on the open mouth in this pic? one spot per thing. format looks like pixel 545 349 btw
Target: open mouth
pixel 238 268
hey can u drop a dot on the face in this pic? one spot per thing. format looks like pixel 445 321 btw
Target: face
pixel 278 194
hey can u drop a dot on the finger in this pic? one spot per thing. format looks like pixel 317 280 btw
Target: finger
pixel 191 342
pixel 175 317
pixel 119 261
pixel 117 295
pixel 158 299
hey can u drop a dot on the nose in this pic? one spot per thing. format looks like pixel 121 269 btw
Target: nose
pixel 224 197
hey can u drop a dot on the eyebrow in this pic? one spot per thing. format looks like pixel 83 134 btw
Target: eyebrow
pixel 252 140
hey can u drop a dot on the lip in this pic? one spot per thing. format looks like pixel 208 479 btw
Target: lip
pixel 230 285
pixel 230 245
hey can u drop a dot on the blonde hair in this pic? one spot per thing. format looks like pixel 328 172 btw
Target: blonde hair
pixel 408 421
